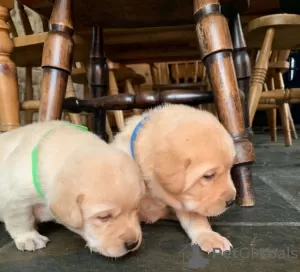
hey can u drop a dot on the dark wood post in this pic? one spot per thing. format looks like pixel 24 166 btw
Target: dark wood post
pixel 57 61
pixel 216 53
pixel 98 79
pixel 242 65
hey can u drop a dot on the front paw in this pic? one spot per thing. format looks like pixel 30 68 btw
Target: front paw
pixel 210 240
pixel 31 241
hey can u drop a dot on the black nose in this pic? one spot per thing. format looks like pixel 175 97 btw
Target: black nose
pixel 229 203
pixel 131 245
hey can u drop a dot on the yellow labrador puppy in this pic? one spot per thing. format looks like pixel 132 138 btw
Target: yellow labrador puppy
pixel 185 156
pixel 55 171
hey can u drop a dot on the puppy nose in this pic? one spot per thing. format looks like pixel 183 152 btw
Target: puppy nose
pixel 229 203
pixel 131 245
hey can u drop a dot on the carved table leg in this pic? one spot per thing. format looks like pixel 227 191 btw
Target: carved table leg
pixel 57 61
pixel 98 80
pixel 242 65
pixel 9 95
pixel 216 52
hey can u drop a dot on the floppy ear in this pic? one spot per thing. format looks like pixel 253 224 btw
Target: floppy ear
pixel 65 204
pixel 170 170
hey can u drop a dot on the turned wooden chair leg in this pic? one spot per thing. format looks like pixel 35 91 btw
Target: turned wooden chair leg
pixel 284 111
pixel 90 122
pixel 9 95
pixel 56 61
pixel 98 79
pixel 28 95
pixel 271 113
pixel 119 116
pixel 129 89
pixel 259 73
pixel 216 52
pixel 292 125
pixel 242 65
pixel 283 55
pixel 109 131
pixel 272 122
pixel 114 90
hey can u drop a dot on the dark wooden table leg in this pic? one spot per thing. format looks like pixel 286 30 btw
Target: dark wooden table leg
pixel 98 80
pixel 57 61
pixel 216 52
pixel 9 95
pixel 242 65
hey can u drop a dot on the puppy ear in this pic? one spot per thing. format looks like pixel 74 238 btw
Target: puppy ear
pixel 65 205
pixel 171 171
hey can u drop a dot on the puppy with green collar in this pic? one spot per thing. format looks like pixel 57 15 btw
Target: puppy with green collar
pixel 58 171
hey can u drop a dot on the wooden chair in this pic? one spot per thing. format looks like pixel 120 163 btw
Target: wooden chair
pixel 277 65
pixel 28 42
pixel 267 33
pixel 117 72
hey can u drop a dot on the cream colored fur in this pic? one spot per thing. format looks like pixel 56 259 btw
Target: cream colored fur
pixel 90 187
pixel 185 156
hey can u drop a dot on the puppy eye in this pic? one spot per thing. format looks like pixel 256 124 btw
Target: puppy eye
pixel 209 177
pixel 105 217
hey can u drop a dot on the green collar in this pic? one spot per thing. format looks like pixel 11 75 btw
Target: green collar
pixel 34 160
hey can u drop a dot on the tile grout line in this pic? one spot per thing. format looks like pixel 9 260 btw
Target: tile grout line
pixel 280 191
pixel 257 224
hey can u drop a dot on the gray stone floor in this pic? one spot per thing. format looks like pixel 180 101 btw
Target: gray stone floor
pixel 265 237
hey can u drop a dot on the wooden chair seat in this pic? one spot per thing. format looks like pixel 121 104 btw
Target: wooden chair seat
pixel 286 26
pixel 28 50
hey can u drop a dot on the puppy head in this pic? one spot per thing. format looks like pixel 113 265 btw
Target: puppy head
pixel 193 164
pixel 99 198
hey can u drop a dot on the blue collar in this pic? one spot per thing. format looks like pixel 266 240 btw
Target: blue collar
pixel 135 133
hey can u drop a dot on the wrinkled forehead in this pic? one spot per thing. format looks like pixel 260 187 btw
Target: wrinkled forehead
pixel 109 199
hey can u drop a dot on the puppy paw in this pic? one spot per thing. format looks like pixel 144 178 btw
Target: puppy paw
pixel 210 240
pixel 31 241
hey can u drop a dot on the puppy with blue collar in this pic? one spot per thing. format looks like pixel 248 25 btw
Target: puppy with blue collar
pixel 185 156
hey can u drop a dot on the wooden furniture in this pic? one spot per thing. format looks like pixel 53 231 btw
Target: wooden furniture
pixel 188 75
pixel 213 37
pixel 242 65
pixel 274 80
pixel 9 97
pixel 26 40
pixel 272 32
